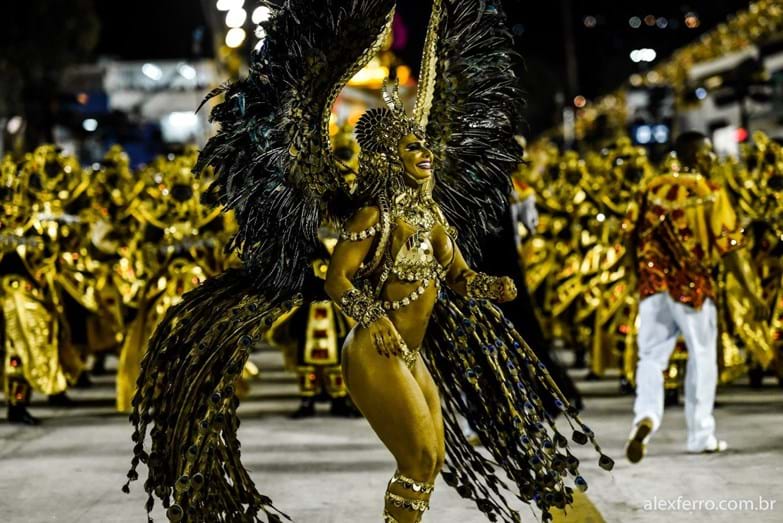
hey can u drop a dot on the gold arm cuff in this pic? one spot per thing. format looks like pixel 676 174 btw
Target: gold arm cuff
pixel 361 235
pixel 361 307
pixel 484 287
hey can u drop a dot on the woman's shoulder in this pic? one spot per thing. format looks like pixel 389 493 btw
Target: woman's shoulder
pixel 363 218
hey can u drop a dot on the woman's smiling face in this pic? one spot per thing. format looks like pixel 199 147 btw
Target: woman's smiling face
pixel 416 158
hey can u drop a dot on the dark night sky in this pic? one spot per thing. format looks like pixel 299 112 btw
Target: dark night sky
pixel 149 29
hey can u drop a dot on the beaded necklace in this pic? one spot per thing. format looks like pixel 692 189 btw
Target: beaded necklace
pixel 415 261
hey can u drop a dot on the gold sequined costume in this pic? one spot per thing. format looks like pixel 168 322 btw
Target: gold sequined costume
pixel 179 244
pixel 755 184
pixel 46 272
pixel 428 345
pixel 113 192
pixel 622 168
pixel 311 337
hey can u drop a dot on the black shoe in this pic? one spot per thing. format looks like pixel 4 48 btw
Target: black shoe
pixel 60 400
pixel 84 381
pixel 306 409
pixel 671 397
pixel 99 366
pixel 592 376
pixel 626 388
pixel 19 414
pixel 343 408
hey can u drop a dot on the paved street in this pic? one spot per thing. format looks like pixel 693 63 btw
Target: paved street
pixel 328 470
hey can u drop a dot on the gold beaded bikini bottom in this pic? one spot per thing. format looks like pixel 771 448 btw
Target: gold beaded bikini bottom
pixel 407 355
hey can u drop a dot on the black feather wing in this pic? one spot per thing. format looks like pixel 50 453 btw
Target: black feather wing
pixel 476 106
pixel 271 156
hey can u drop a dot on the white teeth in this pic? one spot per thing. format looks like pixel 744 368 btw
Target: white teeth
pixel 425 165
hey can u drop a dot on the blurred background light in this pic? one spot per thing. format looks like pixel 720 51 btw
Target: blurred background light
pixel 152 71
pixel 90 124
pixel 235 37
pixel 228 5
pixel 260 14
pixel 236 17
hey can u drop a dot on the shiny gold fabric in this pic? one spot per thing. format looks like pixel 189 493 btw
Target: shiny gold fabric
pixel 686 223
pixel 31 337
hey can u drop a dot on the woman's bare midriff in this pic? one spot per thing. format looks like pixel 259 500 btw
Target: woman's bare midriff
pixel 410 322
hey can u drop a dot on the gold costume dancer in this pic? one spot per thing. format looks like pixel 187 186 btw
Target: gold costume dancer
pixel 428 346
pixel 392 297
pixel 29 340
pixel 178 245
pixel 311 338
pixel 113 192
pixel 755 184
pixel 46 272
pixel 623 168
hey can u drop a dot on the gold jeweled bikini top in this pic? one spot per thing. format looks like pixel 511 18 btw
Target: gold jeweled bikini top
pixel 415 261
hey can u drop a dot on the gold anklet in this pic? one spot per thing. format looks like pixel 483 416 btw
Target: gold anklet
pixel 411 484
pixel 416 505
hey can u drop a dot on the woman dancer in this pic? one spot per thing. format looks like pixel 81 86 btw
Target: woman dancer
pixel 408 227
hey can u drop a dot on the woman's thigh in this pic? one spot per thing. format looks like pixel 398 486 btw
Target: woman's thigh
pixel 390 398
pixel 432 396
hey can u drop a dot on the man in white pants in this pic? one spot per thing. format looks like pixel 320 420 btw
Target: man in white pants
pixel 683 224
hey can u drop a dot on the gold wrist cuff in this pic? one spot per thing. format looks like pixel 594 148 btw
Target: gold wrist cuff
pixel 361 307
pixel 484 287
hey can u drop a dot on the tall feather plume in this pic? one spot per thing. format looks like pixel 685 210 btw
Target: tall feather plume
pixel 476 105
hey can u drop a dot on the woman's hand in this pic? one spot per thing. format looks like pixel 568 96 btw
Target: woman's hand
pixel 467 282
pixel 385 337
pixel 499 289
pixel 508 290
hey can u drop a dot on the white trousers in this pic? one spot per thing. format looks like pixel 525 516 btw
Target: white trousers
pixel 661 321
